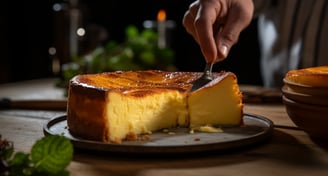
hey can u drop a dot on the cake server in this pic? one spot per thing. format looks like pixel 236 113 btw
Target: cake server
pixel 205 78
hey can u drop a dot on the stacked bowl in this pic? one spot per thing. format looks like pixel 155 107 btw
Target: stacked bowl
pixel 305 96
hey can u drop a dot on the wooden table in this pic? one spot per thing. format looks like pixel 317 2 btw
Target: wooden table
pixel 289 151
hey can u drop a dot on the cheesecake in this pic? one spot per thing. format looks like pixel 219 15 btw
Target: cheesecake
pixel 131 105
pixel 311 76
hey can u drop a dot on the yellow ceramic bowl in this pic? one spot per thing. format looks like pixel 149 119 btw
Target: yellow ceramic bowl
pixel 313 119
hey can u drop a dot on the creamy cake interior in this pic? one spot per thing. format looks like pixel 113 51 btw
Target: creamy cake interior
pixel 116 106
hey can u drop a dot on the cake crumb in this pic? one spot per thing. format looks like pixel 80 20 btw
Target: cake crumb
pixel 145 138
pixel 168 132
pixel 207 129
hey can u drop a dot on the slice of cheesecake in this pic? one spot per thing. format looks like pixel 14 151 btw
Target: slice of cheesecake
pixel 117 106
pixel 217 103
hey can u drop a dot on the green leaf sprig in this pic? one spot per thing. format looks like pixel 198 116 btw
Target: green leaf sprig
pixel 49 156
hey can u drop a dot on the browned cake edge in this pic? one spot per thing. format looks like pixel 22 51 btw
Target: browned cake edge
pixel 85 112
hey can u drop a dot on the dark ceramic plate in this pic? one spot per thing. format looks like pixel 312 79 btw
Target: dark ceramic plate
pixel 255 129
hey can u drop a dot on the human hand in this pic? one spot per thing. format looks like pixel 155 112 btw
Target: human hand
pixel 216 25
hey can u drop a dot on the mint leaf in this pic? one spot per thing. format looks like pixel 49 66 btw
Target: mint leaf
pixel 52 154
pixel 20 159
pixel 19 163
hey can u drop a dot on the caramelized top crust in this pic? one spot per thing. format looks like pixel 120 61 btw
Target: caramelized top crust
pixel 138 83
pixel 137 80
pixel 312 76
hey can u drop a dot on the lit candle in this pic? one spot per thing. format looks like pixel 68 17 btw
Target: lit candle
pixel 161 28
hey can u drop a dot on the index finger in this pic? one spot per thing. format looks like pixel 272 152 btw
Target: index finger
pixel 205 19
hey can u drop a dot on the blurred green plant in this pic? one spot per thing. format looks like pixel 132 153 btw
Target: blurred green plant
pixel 139 51
pixel 49 156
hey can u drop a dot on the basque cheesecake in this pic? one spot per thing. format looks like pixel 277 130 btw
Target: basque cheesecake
pixel 311 76
pixel 128 105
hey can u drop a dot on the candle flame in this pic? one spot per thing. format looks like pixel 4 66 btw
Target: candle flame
pixel 161 15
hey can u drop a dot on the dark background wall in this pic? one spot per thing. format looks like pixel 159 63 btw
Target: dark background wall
pixel 30 28
pixel 25 38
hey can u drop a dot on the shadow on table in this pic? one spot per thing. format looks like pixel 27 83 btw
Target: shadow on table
pixel 282 148
pixel 323 144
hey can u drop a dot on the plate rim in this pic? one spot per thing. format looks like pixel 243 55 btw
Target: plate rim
pixel 168 149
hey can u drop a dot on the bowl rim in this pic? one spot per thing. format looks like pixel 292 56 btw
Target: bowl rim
pixel 289 102
pixel 288 82
pixel 321 100
pixel 306 89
